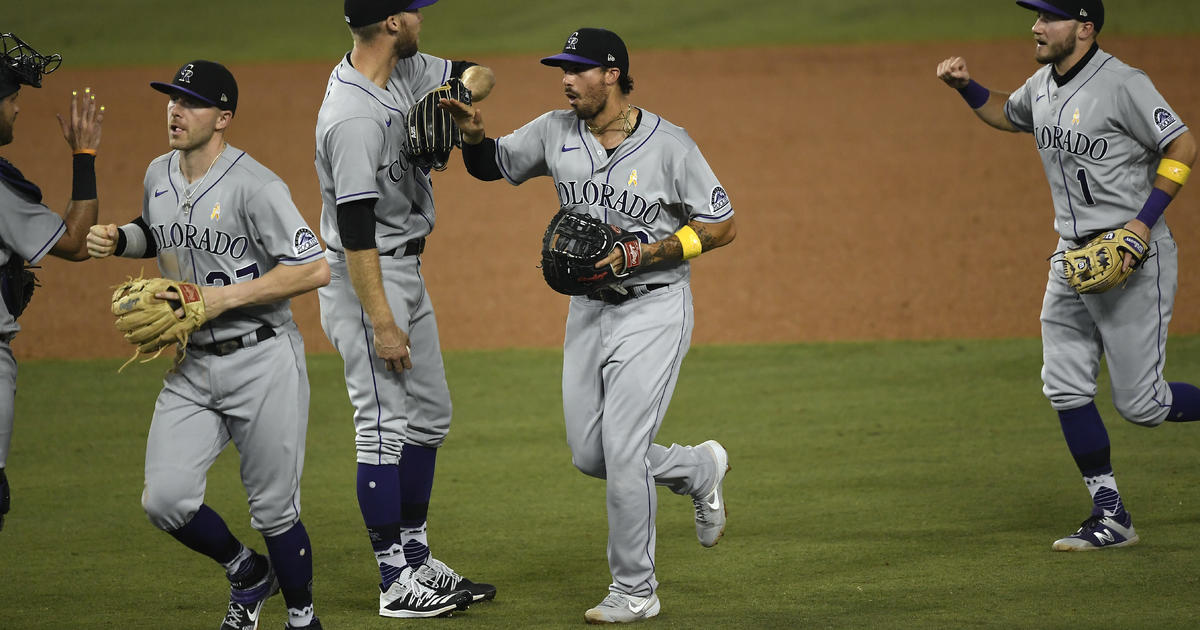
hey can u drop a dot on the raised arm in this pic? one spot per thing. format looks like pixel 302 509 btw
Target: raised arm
pixel 82 133
pixel 987 105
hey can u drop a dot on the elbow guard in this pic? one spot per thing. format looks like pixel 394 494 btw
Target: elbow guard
pixel 356 224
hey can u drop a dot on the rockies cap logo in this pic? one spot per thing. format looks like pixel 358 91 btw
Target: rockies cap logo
pixel 572 41
pixel 185 74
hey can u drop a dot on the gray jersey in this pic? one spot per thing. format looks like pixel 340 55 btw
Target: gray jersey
pixel 241 224
pixel 1101 135
pixel 653 184
pixel 28 230
pixel 362 150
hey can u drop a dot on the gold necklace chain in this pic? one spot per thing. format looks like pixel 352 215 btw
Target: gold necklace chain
pixel 626 124
pixel 187 198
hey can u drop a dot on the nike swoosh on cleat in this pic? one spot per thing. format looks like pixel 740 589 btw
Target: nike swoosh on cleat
pixel 715 504
pixel 159 193
pixel 637 610
pixel 566 148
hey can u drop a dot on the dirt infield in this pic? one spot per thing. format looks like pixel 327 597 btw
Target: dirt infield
pixel 871 204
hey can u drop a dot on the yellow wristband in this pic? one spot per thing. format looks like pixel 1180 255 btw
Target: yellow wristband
pixel 85 152
pixel 690 241
pixel 1175 171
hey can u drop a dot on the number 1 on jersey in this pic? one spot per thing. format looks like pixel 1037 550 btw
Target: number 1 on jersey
pixel 1081 175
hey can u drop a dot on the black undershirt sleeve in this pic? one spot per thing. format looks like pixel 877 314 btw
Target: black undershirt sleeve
pixel 458 67
pixel 480 160
pixel 356 224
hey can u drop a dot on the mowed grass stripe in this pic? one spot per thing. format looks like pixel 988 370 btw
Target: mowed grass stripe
pixel 874 485
pixel 140 32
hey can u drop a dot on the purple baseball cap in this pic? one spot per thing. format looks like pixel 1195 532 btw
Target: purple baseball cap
pixel 1082 10
pixel 364 12
pixel 593 47
pixel 206 81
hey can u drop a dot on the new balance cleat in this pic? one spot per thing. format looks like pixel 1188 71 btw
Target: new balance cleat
pixel 246 601
pixel 408 597
pixel 443 578
pixel 710 508
pixel 622 608
pixel 1099 532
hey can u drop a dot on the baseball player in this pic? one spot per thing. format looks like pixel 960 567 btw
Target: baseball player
pixel 377 211
pixel 28 229
pixel 622 350
pixel 1115 154
pixel 214 216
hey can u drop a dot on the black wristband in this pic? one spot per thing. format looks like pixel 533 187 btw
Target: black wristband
pixel 83 177
pixel 122 242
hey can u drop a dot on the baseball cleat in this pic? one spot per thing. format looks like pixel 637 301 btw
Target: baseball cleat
pixel 315 624
pixel 622 608
pixel 408 597
pixel 710 508
pixel 5 499
pixel 446 579
pixel 1099 532
pixel 246 600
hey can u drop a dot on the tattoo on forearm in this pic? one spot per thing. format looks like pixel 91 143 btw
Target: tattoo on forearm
pixel 708 240
pixel 667 249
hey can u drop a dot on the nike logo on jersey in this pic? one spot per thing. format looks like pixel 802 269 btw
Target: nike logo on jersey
pixel 389 122
pixel 565 148
pixel 159 193
pixel 1040 97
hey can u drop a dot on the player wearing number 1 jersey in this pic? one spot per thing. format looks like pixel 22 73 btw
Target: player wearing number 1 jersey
pixel 215 217
pixel 1115 154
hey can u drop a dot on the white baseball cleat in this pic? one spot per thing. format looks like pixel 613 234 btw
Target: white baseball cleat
pixel 710 507
pixel 622 608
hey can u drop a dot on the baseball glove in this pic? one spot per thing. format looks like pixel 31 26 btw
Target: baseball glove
pixel 151 324
pixel 572 246
pixel 432 134
pixel 17 283
pixel 1096 267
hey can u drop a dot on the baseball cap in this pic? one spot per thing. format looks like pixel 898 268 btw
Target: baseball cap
pixel 593 47
pixel 206 81
pixel 1082 10
pixel 364 12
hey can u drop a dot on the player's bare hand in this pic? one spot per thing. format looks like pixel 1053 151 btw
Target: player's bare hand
pixel 82 131
pixel 171 296
pixel 102 240
pixel 468 119
pixel 391 345
pixel 1143 231
pixel 615 259
pixel 954 72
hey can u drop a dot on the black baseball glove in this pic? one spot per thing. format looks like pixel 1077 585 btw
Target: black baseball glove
pixel 17 283
pixel 432 134
pixel 572 246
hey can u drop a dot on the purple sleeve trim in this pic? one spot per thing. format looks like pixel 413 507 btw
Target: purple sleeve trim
pixel 1154 207
pixel 501 165
pixel 975 95
pixel 1171 137
pixel 363 194
pixel 720 218
pixel 289 260
pixel 62 227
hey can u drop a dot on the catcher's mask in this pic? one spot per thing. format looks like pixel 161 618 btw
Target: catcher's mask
pixel 21 65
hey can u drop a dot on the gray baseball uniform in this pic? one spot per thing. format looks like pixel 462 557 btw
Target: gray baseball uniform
pixel 621 361
pixel 361 141
pixel 28 230
pixel 243 377
pixel 1101 134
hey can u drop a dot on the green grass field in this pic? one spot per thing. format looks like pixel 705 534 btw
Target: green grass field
pixel 149 31
pixel 892 485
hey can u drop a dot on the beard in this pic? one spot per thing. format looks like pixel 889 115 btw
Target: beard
pixel 407 46
pixel 1054 53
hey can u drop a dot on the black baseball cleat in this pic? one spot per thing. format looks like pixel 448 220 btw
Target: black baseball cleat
pixel 5 499
pixel 448 579
pixel 409 597
pixel 315 624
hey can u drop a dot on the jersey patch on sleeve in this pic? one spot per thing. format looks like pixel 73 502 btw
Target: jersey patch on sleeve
pixel 303 240
pixel 719 199
pixel 1163 118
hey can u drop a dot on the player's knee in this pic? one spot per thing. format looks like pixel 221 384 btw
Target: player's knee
pixel 591 465
pixel 167 510
pixel 1143 411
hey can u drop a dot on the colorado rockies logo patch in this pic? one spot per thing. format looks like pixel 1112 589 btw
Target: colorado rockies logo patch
pixel 719 199
pixel 303 240
pixel 1163 118
pixel 185 75
pixel 572 41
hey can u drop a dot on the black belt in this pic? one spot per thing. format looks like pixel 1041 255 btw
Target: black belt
pixel 411 248
pixel 612 297
pixel 222 348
